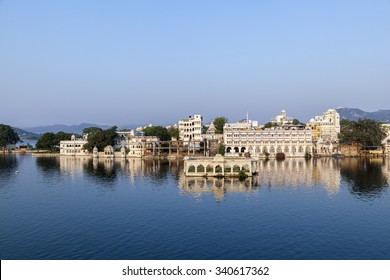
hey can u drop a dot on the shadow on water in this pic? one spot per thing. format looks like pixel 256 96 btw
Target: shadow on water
pixel 8 166
pixel 8 162
pixel 102 171
pixel 48 165
pixel 365 177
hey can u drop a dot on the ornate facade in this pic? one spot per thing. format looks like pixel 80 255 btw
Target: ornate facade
pixel 74 147
pixel 292 142
pixel 326 129
pixel 191 129
pixel 135 145
pixel 282 119
pixel 326 126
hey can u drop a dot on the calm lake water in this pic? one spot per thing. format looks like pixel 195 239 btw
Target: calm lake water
pixel 77 208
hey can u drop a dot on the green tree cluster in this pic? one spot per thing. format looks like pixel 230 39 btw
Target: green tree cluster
pixel 221 149
pixel 270 124
pixel 297 122
pixel 173 132
pixel 366 132
pixel 219 123
pixel 161 132
pixel 51 141
pixel 7 136
pixel 100 138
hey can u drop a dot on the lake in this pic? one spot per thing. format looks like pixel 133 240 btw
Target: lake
pixel 80 208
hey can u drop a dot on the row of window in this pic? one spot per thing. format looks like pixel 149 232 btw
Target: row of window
pixel 268 135
pixel 70 146
pixel 268 142
pixel 73 151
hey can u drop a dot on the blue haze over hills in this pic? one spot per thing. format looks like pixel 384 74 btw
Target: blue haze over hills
pixel 355 114
pixel 345 113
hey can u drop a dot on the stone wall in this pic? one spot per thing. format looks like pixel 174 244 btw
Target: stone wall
pixel 350 150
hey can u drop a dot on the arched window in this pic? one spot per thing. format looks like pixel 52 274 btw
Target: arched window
pixel 245 168
pixel 236 168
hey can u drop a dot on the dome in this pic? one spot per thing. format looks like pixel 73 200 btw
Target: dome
pixel 109 149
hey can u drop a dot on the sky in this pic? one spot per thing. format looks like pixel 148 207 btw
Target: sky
pixel 140 62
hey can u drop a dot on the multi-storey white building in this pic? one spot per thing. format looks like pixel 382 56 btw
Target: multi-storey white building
pixel 242 124
pixel 292 142
pixel 191 129
pixel 282 119
pixel 326 129
pixel 74 147
pixel 136 145
pixel 326 126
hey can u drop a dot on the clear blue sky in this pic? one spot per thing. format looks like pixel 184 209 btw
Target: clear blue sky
pixel 124 62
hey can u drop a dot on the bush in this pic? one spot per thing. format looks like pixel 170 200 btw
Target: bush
pixel 242 175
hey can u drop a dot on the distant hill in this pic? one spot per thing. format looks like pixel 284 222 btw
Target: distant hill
pixel 77 129
pixel 23 134
pixel 355 114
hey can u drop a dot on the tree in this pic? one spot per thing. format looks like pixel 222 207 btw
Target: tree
pixel 270 124
pixel 297 122
pixel 159 131
pixel 101 138
pixel 7 136
pixel 51 141
pixel 91 129
pixel 366 132
pixel 173 132
pixel 221 149
pixel 219 123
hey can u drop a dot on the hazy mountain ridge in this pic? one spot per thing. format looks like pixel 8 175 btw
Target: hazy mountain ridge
pixel 355 114
pixel 77 129
pixel 23 134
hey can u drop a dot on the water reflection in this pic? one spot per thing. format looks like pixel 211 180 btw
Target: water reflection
pixel 8 162
pixel 301 172
pixel 366 178
pixel 107 169
pixel 196 186
pixel 8 166
pixel 48 164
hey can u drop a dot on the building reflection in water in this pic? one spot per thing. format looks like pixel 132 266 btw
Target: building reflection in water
pixel 362 176
pixel 301 172
pixel 290 173
pixel 366 178
pixel 196 186
pixel 108 169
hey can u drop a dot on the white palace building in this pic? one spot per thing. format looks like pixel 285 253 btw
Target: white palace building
pixel 293 141
pixel 284 138
pixel 320 136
